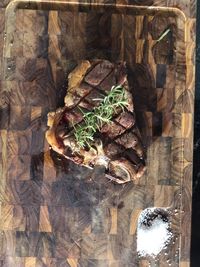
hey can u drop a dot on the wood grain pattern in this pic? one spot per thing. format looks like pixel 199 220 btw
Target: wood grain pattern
pixel 52 212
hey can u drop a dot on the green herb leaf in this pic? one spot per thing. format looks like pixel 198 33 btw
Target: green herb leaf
pixel 95 119
pixel 163 35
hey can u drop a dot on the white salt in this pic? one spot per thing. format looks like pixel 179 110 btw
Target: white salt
pixel 152 238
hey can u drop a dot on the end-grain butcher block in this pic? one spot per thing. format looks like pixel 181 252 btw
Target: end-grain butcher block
pixel 97 125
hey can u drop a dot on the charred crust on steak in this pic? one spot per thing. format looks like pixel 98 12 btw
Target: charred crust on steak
pixel 117 145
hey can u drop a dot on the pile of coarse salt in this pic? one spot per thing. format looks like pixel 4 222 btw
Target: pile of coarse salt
pixel 153 232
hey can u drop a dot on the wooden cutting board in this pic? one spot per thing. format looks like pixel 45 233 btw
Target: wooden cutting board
pixel 54 213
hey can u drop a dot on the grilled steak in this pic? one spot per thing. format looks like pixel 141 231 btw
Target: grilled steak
pixel 116 144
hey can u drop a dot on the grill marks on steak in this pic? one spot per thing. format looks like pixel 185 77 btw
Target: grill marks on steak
pixel 98 73
pixel 118 143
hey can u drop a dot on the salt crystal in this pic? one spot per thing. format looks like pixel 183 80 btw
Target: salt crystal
pixel 152 238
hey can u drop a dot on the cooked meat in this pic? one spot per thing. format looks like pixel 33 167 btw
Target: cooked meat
pixel 116 144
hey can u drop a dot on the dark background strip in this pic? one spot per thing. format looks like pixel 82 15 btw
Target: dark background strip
pixel 195 246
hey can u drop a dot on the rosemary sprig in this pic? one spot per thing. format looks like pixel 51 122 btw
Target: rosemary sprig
pixel 166 32
pixel 95 119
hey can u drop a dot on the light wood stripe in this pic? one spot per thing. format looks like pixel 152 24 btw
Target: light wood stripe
pixel 6 221
pixel 133 221
pixel 49 171
pixel 35 113
pixel 113 215
pixel 30 262
pixel 73 262
pixel 144 263
pixel 187 124
pixel 44 224
pixel 53 26
pixel 184 264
